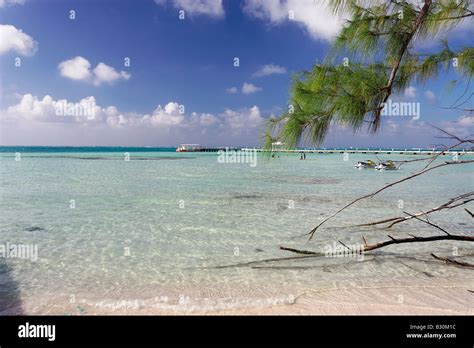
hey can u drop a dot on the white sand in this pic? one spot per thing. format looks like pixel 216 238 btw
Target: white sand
pixel 442 296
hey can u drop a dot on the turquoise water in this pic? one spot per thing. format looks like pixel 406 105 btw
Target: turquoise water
pixel 159 224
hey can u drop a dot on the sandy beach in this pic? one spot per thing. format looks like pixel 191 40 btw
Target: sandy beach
pixel 443 297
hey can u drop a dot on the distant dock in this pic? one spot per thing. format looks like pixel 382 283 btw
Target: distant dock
pixel 416 151
pixel 279 147
pixel 217 149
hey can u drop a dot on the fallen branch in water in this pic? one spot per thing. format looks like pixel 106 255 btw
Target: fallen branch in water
pixel 370 195
pixel 412 239
pixel 426 169
pixel 416 239
pixel 452 203
pixel 251 263
pixel 454 262
pixel 429 223
pixel 304 252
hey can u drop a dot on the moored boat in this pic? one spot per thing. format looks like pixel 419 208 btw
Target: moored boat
pixel 388 165
pixel 366 164
pixel 188 148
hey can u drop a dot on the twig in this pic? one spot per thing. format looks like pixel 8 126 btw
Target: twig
pixel 345 245
pixel 429 223
pixel 448 260
pixel 306 252
pixel 452 203
pixel 251 263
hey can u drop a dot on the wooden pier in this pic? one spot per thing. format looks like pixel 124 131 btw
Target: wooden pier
pixel 367 151
pixel 426 152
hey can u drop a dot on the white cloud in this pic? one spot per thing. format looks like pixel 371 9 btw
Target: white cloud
pixel 320 22
pixel 462 127
pixel 212 8
pixel 13 39
pixel 79 68
pixel 249 88
pixel 395 132
pixel 104 73
pixel 243 119
pixel 466 121
pixel 232 90
pixel 4 3
pixel 35 121
pixel 269 69
pixel 49 110
pixel 430 96
pixel 410 92
pixel 314 16
pixel 172 115
pixel 204 119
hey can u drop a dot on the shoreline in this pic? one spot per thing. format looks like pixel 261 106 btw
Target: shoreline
pixel 440 296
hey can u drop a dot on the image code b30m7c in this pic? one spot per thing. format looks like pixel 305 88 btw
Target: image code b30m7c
pixel 166 160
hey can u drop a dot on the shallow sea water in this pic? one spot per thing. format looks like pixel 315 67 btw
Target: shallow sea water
pixel 160 224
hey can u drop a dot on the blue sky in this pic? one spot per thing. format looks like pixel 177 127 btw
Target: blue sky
pixel 185 66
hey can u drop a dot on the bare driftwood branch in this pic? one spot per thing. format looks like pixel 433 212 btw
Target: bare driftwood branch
pixel 305 252
pixel 429 223
pixel 451 261
pixel 454 137
pixel 449 136
pixel 435 157
pixel 370 195
pixel 308 255
pixel 452 203
pixel 413 239
pixel 416 239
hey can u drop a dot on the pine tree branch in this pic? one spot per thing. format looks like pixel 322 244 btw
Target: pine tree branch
pixel 388 88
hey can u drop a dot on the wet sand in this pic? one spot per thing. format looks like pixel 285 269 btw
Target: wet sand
pixel 440 297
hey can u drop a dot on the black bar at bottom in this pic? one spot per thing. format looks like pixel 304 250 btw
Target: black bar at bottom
pixel 453 331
